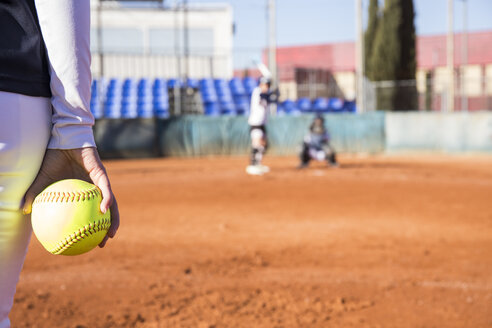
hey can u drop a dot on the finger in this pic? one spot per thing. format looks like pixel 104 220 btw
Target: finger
pixel 88 159
pixel 39 184
pixel 115 219
pixel 115 223
pixel 103 242
pixel 101 180
pixel 107 195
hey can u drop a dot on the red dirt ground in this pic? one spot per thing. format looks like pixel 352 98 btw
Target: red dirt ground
pixel 383 241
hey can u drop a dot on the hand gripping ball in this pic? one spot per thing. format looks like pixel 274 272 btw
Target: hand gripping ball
pixel 66 217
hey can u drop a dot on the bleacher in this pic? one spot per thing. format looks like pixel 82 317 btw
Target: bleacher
pixel 146 98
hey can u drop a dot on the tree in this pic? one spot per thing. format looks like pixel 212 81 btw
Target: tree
pixel 393 57
pixel 370 35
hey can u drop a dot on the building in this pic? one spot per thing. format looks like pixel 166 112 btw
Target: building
pixel 312 69
pixel 151 40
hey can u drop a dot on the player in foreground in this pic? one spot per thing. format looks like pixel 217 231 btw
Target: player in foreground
pixel 45 122
pixel 261 99
pixel 317 146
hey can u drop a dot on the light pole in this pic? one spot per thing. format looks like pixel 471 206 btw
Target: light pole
pixel 177 50
pixel 464 56
pixel 359 55
pixel 450 57
pixel 272 48
pixel 272 40
pixel 99 39
pixel 186 40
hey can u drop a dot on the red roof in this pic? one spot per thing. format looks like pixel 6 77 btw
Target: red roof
pixel 431 50
pixel 335 57
pixel 340 57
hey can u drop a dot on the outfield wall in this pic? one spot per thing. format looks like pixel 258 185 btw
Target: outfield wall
pixel 187 136
pixel 371 133
pixel 428 131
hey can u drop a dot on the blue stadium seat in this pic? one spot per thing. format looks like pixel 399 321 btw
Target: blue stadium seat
pixel 96 102
pixel 192 83
pixel 145 109
pixel 144 104
pixel 114 82
pixel 159 90
pixel 129 98
pixel 114 88
pixel 212 109
pixel 160 100
pixel 160 95
pixel 280 110
pixel 112 109
pixel 242 105
pixel 320 105
pixel 159 83
pixel 220 83
pixel 112 102
pixel 144 83
pixel 113 93
pixel 288 107
pixel 161 109
pixel 129 108
pixel 350 107
pixel 97 87
pixel 295 111
pixel 172 83
pixel 206 83
pixel 250 84
pixel 304 104
pixel 96 108
pixel 209 96
pixel 129 84
pixel 335 105
pixel 237 87
pixel 227 108
pixel 224 94
pixel 145 98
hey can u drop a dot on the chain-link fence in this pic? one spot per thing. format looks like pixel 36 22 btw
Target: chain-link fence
pixel 431 94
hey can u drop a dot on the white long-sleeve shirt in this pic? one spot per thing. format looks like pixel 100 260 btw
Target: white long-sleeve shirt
pixel 65 26
pixel 258 109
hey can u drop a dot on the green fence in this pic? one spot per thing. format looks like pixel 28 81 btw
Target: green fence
pixel 439 132
pixel 201 135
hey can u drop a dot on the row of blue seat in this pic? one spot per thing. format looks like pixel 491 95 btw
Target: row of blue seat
pixel 222 97
pixel 130 98
pixel 319 105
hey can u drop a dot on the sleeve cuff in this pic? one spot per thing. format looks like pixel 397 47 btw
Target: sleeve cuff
pixel 73 137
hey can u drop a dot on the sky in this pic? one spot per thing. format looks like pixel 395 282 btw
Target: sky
pixel 302 22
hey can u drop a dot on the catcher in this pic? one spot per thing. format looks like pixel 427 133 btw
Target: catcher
pixel 317 145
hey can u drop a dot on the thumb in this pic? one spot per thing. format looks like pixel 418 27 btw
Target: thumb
pixel 102 182
pixel 107 197
pixel 39 184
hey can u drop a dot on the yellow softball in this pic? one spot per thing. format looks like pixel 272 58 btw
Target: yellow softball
pixel 66 217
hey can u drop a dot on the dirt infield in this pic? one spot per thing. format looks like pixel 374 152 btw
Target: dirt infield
pixel 380 242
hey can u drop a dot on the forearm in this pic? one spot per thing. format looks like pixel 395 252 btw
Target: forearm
pixel 65 25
